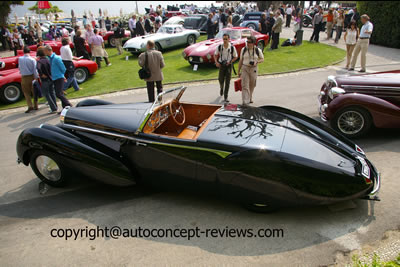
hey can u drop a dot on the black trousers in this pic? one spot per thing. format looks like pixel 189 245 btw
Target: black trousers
pixel 224 78
pixel 59 86
pixel 98 61
pixel 275 40
pixel 288 20
pixel 150 89
pixel 315 34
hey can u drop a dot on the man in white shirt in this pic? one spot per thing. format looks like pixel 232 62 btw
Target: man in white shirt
pixel 66 56
pixel 225 55
pixel 362 43
pixel 132 26
pixel 289 11
pixel 64 32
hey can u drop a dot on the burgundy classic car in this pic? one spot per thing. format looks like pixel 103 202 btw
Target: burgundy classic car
pixel 353 104
pixel 203 52
pixel 10 79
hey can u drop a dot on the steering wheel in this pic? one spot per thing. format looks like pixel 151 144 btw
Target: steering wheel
pixel 177 112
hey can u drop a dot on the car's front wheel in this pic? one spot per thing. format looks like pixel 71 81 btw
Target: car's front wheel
pixel 48 168
pixel 191 39
pixel 111 41
pixel 10 93
pixel 81 75
pixel 352 122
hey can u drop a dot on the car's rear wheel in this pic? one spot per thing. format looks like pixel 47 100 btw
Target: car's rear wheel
pixel 260 45
pixel 48 168
pixel 352 122
pixel 252 26
pixel 111 41
pixel 158 47
pixel 260 207
pixel 81 75
pixel 10 93
pixel 191 39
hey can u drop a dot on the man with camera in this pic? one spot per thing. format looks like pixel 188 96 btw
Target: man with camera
pixel 250 57
pixel 225 55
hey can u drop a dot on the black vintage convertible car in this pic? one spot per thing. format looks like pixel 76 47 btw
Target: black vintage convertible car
pixel 262 157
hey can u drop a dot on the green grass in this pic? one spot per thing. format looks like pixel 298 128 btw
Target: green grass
pixel 123 74
pixel 376 262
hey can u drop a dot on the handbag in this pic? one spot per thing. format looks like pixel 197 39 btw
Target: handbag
pixel 238 85
pixel 144 72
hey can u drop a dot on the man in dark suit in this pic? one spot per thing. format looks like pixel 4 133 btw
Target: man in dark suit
pixel 210 27
pixel 139 27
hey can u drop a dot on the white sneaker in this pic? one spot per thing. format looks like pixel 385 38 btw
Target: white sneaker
pixel 109 64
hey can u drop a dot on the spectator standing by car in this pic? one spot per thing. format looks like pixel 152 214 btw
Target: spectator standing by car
pixel 73 33
pixel 85 21
pixel 38 29
pixel 27 68
pixel 44 73
pixel 250 57
pixel 289 12
pixel 108 24
pixel 215 20
pixel 276 30
pixel 80 46
pixel 17 42
pixel 317 25
pixel 210 27
pixel 64 32
pixel 270 23
pixel 329 24
pixel 350 37
pixel 229 20
pixel 148 25
pixel 155 63
pixel 3 36
pixel 96 43
pixel 158 22
pixel 139 27
pixel 222 19
pixel 362 43
pixel 119 33
pixel 89 32
pixel 57 75
pixel 132 26
pixel 262 24
pixel 339 22
pixel 224 57
pixel 66 56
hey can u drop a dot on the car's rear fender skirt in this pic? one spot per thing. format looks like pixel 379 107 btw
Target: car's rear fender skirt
pixel 70 150
pixel 384 114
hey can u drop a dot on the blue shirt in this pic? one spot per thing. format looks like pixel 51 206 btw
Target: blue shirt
pixel 367 27
pixel 57 67
pixel 27 66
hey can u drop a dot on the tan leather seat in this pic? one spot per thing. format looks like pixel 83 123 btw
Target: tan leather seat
pixel 187 133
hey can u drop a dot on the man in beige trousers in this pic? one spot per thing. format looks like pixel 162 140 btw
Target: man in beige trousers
pixel 155 64
pixel 362 43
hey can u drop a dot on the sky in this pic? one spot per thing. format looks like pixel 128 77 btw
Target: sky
pixel 113 7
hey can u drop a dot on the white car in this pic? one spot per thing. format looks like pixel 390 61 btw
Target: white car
pixel 166 37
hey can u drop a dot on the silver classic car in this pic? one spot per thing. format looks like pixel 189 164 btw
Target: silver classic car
pixel 166 37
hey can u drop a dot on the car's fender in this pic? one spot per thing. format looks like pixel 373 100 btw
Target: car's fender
pixel 384 114
pixel 88 157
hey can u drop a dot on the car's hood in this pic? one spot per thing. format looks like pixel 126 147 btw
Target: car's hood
pixel 117 118
pixel 140 42
pixel 8 72
pixel 203 48
pixel 380 79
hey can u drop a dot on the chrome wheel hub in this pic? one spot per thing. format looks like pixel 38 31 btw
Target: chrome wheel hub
pixel 351 122
pixel 48 168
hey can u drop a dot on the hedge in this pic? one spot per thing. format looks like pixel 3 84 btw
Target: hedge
pixel 385 17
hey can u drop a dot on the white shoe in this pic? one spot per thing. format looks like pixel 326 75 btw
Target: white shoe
pixel 109 64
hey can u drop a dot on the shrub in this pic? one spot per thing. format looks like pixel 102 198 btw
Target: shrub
pixel 386 21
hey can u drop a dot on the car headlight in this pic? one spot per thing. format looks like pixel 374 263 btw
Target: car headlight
pixel 184 54
pixel 142 45
pixel 190 58
pixel 335 91
pixel 208 56
pixel 201 60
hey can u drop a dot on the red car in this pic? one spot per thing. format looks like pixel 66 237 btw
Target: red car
pixel 203 52
pixel 353 104
pixel 10 80
pixel 12 62
pixel 56 46
pixel 109 37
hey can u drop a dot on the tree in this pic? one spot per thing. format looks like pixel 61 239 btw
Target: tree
pixel 46 12
pixel 5 9
pixel 384 17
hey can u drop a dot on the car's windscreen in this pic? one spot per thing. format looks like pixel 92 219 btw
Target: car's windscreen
pixel 233 34
pixel 164 29
pixel 169 95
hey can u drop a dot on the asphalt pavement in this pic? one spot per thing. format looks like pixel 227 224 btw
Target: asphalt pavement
pixel 313 236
